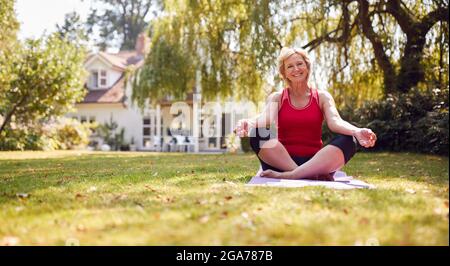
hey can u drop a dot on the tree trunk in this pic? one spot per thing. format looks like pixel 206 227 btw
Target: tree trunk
pixel 411 70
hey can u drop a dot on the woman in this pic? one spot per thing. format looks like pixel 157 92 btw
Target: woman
pixel 298 112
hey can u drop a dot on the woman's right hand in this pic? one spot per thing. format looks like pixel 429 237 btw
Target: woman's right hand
pixel 243 127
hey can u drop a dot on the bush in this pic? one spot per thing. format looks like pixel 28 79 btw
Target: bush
pixel 416 121
pixel 59 134
pixel 113 135
pixel 245 144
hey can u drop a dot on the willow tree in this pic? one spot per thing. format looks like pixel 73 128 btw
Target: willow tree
pixel 375 37
pixel 234 44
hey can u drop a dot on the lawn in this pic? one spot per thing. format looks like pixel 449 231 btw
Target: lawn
pixel 94 198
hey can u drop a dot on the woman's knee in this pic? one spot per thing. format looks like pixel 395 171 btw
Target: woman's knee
pixel 347 144
pixel 258 138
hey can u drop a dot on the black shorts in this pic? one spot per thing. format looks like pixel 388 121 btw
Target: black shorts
pixel 259 135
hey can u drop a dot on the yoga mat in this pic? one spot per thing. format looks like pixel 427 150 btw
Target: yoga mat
pixel 342 181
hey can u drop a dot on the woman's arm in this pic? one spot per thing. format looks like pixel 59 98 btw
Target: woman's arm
pixel 270 112
pixel 336 124
pixel 264 119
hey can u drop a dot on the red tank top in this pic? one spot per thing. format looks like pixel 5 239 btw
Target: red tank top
pixel 300 129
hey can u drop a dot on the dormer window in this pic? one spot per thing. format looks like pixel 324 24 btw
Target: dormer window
pixel 99 79
pixel 94 79
pixel 103 79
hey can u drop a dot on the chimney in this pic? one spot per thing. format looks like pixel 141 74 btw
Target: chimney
pixel 142 44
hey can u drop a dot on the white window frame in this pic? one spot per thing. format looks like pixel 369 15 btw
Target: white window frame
pixel 102 76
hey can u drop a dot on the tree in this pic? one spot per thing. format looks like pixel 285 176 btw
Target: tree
pixel 123 19
pixel 363 45
pixel 376 22
pixel 46 78
pixel 73 28
pixel 8 24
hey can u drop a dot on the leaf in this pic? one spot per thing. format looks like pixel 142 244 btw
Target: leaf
pixel 364 221
pixel 121 197
pixel 92 189
pixel 231 183
pixel 150 188
pixel 22 195
pixel 204 219
pixel 201 202
pixel 81 228
pixel 411 191
pixel 79 196
pixel 245 215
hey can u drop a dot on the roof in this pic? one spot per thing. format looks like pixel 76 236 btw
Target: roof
pixel 115 94
pixel 119 61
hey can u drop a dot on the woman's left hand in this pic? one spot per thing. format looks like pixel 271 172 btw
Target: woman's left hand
pixel 366 137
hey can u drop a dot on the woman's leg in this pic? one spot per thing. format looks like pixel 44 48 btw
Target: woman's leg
pixel 275 154
pixel 329 159
pixel 271 153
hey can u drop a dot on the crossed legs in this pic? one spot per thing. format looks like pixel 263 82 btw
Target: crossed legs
pixel 330 158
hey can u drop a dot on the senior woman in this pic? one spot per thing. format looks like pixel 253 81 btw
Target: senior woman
pixel 298 112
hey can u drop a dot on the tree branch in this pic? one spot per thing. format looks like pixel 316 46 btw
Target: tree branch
pixel 380 54
pixel 402 16
pixel 344 25
pixel 440 14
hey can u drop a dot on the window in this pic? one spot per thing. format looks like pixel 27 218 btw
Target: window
pixel 83 119
pixel 94 79
pixel 147 131
pixel 103 78
pixel 92 119
pixel 99 79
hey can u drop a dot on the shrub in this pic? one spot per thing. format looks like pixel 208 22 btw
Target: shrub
pixel 61 133
pixel 245 144
pixel 113 135
pixel 416 121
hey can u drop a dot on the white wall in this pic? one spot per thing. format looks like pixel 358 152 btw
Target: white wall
pixel 129 118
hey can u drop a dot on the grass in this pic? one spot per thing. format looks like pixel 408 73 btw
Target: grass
pixel 94 198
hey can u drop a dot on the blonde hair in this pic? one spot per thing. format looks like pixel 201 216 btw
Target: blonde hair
pixel 285 53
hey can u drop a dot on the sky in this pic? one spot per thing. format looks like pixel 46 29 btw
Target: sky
pixel 39 16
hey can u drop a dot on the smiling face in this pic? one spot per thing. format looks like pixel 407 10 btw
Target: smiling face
pixel 296 69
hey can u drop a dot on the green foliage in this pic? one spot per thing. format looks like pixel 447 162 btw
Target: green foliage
pixel 234 44
pixel 40 80
pixel 59 134
pixel 245 144
pixel 8 24
pixel 220 41
pixel 73 29
pixel 167 71
pixel 119 19
pixel 417 121
pixel 112 135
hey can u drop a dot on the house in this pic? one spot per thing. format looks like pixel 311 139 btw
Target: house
pixel 203 127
